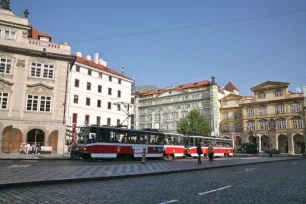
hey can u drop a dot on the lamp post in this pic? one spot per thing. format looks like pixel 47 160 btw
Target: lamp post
pixel 272 131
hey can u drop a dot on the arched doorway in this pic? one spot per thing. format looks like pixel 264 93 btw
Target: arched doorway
pixel 53 138
pixel 252 139
pixel 264 143
pixel 11 140
pixel 297 143
pixel 36 136
pixel 283 143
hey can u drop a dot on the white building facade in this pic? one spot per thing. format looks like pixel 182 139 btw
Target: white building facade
pixel 163 108
pixel 97 94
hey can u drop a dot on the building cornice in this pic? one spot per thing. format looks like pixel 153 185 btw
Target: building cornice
pixel 15 24
pixel 272 101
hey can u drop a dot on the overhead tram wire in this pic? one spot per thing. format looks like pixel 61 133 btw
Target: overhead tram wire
pixel 252 58
pixel 192 26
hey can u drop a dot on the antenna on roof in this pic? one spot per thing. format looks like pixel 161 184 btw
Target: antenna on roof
pixel 229 79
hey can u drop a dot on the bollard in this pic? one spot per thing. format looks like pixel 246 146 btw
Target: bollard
pixel 143 156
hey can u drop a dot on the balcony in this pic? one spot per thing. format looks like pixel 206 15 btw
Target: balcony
pixel 280 115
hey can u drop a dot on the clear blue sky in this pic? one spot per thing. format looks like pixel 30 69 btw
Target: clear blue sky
pixel 181 56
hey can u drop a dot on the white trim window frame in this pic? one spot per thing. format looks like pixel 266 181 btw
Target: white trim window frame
pixel 279 109
pixel 279 93
pixel 296 108
pixel 38 103
pixel 41 70
pixel 250 112
pixel 9 34
pixel 4 99
pixel 297 124
pixel 264 125
pixel 261 95
pixel 262 110
pixel 6 65
pixel 280 124
pixel 251 126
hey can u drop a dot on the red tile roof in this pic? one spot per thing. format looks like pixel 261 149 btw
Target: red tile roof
pixel 230 87
pixel 99 66
pixel 179 87
pixel 35 34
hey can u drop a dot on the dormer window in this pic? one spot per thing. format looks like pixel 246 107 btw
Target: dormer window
pixel 45 39
pixel 278 93
pixel 262 95
pixel 8 34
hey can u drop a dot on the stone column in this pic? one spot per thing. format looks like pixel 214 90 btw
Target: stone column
pixel 259 143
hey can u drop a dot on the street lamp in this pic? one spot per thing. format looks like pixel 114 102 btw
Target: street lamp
pixel 272 130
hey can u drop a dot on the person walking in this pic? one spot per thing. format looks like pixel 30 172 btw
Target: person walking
pixel 200 152
pixel 210 152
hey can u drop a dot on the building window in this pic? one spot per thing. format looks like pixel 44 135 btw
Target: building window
pixel 75 118
pixel 108 121
pixel 3 100
pixel 110 91
pixel 109 105
pixel 118 107
pixel 280 109
pixel 297 124
pixel 99 103
pixel 225 116
pixel 88 86
pixel 279 93
pixel 119 94
pixel 87 118
pixel 295 108
pixel 119 81
pixel 238 127
pixel 98 120
pixel 280 124
pixel 76 99
pixel 39 103
pixel 10 35
pixel 237 114
pixel 89 71
pixel 261 95
pixel 99 89
pixel 118 122
pixel 251 126
pixel 76 83
pixel 77 68
pixel 100 75
pixel 264 125
pixel 110 78
pixel 87 101
pixel 263 111
pixel 47 72
pixel 5 65
pixel 45 39
pixel 250 112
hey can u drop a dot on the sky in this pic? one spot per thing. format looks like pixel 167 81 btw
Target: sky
pixel 183 55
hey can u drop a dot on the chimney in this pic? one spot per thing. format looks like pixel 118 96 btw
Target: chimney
pixel 88 57
pixel 101 61
pixel 79 54
pixel 96 58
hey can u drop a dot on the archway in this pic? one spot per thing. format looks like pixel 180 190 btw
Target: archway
pixel 283 143
pixel 265 143
pixel 36 136
pixel 297 143
pixel 252 139
pixel 53 138
pixel 11 140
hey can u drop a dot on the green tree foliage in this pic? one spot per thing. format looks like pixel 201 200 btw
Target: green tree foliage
pixel 194 124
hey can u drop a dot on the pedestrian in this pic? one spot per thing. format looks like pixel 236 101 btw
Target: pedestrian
pixel 210 152
pixel 200 152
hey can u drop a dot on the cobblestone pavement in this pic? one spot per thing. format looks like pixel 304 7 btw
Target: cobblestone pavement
pixel 27 172
pixel 281 182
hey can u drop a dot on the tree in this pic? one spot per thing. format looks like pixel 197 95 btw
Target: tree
pixel 194 124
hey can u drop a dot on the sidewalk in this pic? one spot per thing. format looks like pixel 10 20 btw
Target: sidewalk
pixel 26 174
pixel 18 156
pixel 262 154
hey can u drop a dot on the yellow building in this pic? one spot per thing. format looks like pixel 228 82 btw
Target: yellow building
pixel 274 116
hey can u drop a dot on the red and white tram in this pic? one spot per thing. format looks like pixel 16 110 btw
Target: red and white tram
pixel 222 147
pixel 104 142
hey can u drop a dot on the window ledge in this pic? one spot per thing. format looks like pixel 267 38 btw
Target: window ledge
pixel 4 110
pixel 38 78
pixel 38 112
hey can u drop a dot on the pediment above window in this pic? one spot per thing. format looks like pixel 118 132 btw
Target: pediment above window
pixel 6 82
pixel 41 85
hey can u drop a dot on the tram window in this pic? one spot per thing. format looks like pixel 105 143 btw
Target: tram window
pixel 104 136
pixel 92 138
pixel 113 137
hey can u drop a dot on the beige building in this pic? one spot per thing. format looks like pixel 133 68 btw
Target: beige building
pixel 33 85
pixel 273 116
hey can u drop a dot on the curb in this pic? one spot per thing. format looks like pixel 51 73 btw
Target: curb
pixel 43 159
pixel 91 179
